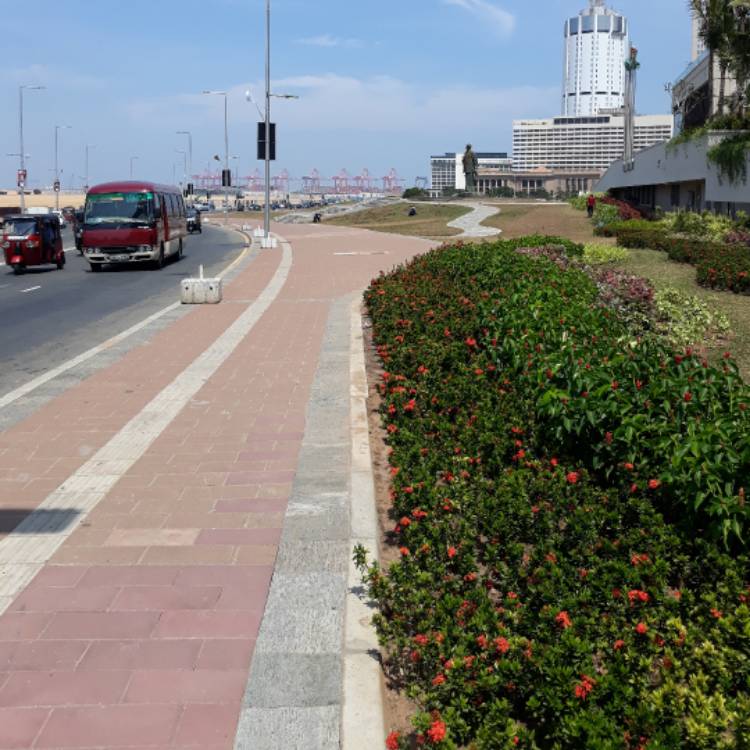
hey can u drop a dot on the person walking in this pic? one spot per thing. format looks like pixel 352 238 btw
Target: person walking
pixel 590 205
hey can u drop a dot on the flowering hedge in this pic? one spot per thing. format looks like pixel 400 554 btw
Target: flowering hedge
pixel 561 497
pixel 719 265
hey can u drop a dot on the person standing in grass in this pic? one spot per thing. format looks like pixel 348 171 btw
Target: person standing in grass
pixel 590 205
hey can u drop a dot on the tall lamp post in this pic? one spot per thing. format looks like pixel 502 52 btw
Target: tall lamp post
pixel 267 241
pixel 184 163
pixel 132 159
pixel 190 150
pixel 226 143
pixel 57 167
pixel 21 152
pixel 86 169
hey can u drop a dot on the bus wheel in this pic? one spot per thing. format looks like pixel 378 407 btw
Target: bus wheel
pixel 95 267
pixel 179 250
pixel 159 264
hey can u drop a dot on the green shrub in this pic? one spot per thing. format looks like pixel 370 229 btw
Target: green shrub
pixel 598 254
pixel 558 490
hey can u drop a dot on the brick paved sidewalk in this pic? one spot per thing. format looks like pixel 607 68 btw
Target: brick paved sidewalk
pixel 139 631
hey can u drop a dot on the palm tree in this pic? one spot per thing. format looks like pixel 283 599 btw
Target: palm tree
pixel 717 27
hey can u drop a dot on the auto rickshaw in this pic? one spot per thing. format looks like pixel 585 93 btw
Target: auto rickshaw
pixel 32 240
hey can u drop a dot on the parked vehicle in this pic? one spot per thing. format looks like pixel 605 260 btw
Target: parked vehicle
pixel 29 240
pixel 194 221
pixel 133 222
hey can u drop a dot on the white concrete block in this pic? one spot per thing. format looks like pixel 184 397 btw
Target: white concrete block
pixel 201 291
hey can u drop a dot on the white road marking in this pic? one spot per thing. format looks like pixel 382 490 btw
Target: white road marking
pixel 32 385
pixel 366 252
pixel 30 289
pixel 25 551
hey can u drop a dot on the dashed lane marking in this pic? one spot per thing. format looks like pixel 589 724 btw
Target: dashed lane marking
pixel 30 289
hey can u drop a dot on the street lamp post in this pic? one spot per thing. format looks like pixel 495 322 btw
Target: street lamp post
pixel 226 143
pixel 132 159
pixel 57 167
pixel 190 149
pixel 86 170
pixel 21 153
pixel 184 163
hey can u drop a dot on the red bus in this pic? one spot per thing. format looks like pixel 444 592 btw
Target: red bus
pixel 133 222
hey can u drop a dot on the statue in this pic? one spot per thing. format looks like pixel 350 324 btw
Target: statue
pixel 470 169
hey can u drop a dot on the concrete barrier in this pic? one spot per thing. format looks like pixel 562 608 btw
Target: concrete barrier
pixel 201 291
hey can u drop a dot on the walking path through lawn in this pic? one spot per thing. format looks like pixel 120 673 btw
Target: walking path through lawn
pixel 471 224
pixel 178 530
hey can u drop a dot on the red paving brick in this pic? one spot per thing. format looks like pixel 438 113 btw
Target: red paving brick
pixel 151 608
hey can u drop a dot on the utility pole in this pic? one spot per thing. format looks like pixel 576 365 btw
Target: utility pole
pixel 631 67
pixel 86 170
pixel 22 154
pixel 267 208
pixel 57 168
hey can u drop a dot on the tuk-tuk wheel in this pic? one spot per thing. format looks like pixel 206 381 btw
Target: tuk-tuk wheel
pixel 18 269
pixel 60 263
pixel 95 267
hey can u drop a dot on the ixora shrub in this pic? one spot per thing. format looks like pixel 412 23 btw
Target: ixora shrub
pixel 562 500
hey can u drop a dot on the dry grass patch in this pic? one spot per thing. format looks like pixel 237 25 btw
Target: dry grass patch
pixel 551 219
pixel 430 221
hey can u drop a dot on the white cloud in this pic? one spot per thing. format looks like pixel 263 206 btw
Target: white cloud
pixel 327 40
pixel 486 12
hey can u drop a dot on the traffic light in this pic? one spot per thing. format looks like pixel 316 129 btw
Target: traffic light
pixel 262 141
pixel 56 186
pixel 190 188
pixel 226 178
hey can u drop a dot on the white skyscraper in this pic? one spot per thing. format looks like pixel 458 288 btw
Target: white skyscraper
pixel 698 46
pixel 597 44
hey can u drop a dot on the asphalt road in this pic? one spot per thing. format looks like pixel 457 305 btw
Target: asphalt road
pixel 49 316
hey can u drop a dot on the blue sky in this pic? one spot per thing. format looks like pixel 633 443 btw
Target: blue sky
pixel 382 83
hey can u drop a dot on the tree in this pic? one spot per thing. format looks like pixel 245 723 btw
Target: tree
pixel 724 27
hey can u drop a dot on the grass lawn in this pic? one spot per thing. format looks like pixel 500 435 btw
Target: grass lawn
pixel 656 266
pixel 556 220
pixel 430 221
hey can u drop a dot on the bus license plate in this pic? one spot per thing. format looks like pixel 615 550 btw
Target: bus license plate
pixel 118 257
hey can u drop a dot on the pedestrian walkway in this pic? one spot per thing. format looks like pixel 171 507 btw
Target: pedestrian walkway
pixel 471 224
pixel 147 512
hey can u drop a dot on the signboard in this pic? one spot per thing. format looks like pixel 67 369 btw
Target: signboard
pixel 262 141
pixel 21 177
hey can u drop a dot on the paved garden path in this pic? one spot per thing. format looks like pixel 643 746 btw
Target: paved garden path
pixel 177 527
pixel 471 224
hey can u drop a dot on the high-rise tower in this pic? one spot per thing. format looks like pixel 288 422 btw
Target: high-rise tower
pixel 597 44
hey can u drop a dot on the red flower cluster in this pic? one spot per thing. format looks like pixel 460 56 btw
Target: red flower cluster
pixel 437 732
pixel 584 687
pixel 563 620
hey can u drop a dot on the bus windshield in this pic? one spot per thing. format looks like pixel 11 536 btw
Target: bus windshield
pixel 119 208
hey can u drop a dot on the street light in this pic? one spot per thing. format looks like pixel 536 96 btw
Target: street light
pixel 57 169
pixel 184 162
pixel 132 159
pixel 86 170
pixel 267 242
pixel 226 143
pixel 190 149
pixel 21 152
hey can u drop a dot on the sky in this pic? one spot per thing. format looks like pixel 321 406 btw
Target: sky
pixel 382 83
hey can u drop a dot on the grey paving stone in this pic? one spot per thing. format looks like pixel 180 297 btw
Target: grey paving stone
pixel 313 556
pixel 305 680
pixel 289 729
